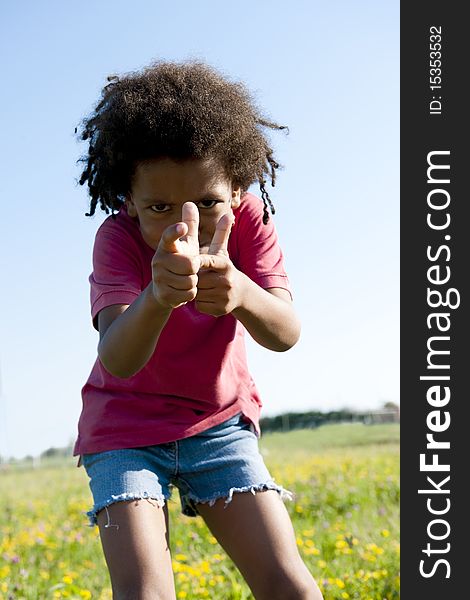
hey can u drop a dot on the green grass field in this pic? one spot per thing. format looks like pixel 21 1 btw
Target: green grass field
pixel 345 513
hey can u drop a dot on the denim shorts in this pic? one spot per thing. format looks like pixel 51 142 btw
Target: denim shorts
pixel 205 467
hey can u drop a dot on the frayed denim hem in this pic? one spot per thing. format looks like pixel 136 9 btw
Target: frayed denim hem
pixel 160 500
pixel 190 499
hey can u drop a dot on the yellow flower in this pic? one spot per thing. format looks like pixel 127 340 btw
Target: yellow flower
pixel 218 557
pixel 376 574
pixel 321 564
pixel 345 595
pixel 181 557
pixel 370 557
pixel 212 540
pixel 205 566
pixel 86 594
pixel 385 532
pixel 4 571
pixel 339 583
pixel 182 594
pixel 67 579
pixel 177 567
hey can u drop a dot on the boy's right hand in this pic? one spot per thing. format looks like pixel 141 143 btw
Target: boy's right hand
pixel 176 261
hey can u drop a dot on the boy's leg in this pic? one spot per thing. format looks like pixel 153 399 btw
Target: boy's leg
pixel 135 539
pixel 257 533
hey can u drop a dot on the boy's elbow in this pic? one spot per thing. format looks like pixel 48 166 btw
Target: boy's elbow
pixel 285 346
pixel 290 341
pixel 116 370
pixel 282 347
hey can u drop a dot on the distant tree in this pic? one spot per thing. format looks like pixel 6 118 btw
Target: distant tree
pixel 50 452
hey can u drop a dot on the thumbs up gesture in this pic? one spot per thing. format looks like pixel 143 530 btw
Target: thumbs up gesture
pixel 181 274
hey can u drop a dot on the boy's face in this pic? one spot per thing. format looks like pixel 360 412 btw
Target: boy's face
pixel 160 188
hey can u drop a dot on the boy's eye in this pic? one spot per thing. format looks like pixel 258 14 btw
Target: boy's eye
pixel 207 203
pixel 159 208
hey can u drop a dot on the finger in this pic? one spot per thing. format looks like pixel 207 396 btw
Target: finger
pixel 179 264
pixel 208 280
pixel 222 233
pixel 202 303
pixel 174 298
pixel 177 282
pixel 209 308
pixel 171 235
pixel 212 261
pixel 190 216
pixel 206 296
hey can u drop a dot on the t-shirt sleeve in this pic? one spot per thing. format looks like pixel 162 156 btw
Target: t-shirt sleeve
pixel 259 254
pixel 117 273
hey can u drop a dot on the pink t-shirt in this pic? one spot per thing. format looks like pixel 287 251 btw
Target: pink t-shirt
pixel 198 375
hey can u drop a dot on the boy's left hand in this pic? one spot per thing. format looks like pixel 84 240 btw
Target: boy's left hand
pixel 219 282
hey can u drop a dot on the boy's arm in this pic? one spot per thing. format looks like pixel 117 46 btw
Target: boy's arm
pixel 129 333
pixel 268 316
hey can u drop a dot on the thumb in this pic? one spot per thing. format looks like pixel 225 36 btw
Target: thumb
pixel 170 237
pixel 212 262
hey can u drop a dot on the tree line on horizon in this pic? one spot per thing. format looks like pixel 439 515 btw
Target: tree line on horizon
pixel 389 413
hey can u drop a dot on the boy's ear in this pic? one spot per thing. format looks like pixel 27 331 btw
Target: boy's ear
pixel 131 210
pixel 236 197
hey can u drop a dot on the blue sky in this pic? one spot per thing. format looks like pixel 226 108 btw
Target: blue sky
pixel 330 71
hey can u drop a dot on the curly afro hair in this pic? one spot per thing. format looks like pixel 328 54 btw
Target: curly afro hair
pixel 175 110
